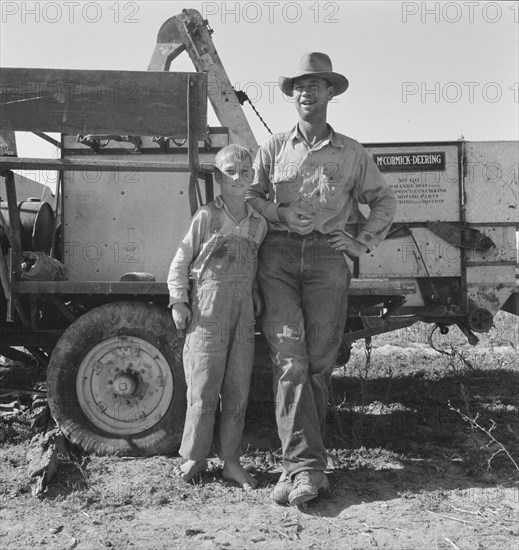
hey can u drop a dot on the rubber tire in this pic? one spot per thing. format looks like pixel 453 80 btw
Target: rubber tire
pixel 146 321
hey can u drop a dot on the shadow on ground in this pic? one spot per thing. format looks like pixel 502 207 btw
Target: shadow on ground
pixel 389 436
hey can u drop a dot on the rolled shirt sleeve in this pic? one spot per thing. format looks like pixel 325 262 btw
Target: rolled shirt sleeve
pixel 260 195
pixel 372 189
pixel 188 250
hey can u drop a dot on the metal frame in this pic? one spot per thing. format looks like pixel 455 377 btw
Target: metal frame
pixel 10 271
pixel 189 32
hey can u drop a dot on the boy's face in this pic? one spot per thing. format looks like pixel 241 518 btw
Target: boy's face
pixel 235 177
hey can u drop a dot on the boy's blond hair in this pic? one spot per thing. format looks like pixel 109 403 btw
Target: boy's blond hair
pixel 232 152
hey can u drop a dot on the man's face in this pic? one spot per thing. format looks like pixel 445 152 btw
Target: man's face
pixel 311 95
pixel 235 177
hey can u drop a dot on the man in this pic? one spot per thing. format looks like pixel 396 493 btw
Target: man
pixel 308 184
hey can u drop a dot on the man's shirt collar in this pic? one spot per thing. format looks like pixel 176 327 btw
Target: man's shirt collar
pixel 331 139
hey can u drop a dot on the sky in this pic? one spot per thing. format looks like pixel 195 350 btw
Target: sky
pixel 418 71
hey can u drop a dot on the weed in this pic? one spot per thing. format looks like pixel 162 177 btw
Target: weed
pixel 475 426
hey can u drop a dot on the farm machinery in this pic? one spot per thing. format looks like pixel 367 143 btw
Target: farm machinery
pixel 83 276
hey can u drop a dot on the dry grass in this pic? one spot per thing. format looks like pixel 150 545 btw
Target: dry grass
pixel 405 469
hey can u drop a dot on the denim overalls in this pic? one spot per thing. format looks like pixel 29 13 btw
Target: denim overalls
pixel 219 347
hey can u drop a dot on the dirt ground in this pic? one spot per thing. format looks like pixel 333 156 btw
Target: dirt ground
pixel 423 453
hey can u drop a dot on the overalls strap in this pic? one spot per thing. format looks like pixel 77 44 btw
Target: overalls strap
pixel 216 222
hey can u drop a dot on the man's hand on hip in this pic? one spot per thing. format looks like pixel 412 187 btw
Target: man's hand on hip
pixel 297 219
pixel 343 242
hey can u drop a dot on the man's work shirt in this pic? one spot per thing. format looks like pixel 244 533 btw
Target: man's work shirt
pixel 327 180
pixel 198 242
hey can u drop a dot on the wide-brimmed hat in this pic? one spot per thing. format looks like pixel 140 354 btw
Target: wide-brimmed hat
pixel 315 64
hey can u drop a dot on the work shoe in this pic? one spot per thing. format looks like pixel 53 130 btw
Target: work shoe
pixel 307 485
pixel 282 489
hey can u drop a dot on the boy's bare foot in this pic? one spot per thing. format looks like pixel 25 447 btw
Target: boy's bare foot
pixel 233 471
pixel 190 468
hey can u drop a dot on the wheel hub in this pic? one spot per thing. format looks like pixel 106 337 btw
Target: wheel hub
pixel 124 385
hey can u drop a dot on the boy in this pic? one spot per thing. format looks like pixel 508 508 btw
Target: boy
pixel 218 252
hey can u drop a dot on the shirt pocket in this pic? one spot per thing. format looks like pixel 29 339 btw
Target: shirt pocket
pixel 331 193
pixel 334 191
pixel 286 182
